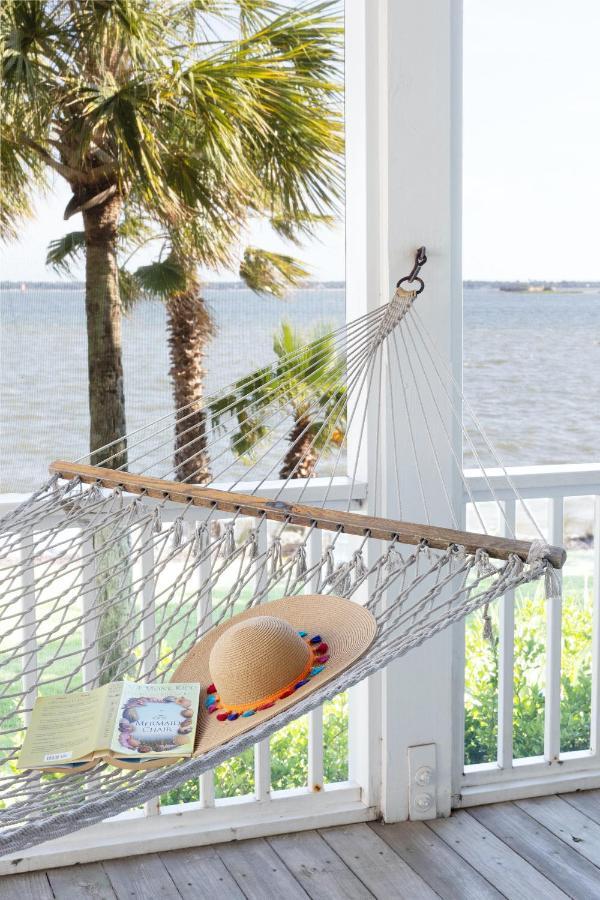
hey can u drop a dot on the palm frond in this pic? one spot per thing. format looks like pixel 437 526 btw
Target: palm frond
pixel 130 289
pixel 65 251
pixel 292 228
pixel 21 176
pixel 162 279
pixel 270 273
pixel 308 375
pixel 196 136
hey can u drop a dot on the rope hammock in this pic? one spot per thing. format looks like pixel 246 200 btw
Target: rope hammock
pixel 114 570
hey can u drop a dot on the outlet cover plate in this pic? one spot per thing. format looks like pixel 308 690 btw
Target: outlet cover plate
pixel 422 775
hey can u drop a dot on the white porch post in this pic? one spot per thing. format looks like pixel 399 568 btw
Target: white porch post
pixel 404 189
pixel 364 292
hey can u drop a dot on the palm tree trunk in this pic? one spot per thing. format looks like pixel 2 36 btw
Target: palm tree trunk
pixel 190 328
pixel 103 314
pixel 107 424
pixel 300 460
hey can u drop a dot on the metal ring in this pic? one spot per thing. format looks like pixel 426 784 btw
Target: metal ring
pixel 411 281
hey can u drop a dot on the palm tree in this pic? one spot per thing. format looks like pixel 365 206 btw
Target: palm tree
pixel 306 385
pixel 189 325
pixel 190 328
pixel 137 104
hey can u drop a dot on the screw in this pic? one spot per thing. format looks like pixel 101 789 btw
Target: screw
pixel 424 776
pixel 424 802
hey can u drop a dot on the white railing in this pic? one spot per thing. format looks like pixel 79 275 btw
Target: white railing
pixel 266 811
pixel 210 818
pixel 507 777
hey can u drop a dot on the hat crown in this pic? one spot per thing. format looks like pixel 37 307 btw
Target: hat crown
pixel 256 658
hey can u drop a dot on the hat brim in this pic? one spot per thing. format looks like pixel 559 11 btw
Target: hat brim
pixel 346 627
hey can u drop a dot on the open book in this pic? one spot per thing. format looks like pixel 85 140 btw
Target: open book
pixel 129 725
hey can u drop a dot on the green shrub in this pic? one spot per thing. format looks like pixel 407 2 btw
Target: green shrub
pixel 481 678
pixel 289 759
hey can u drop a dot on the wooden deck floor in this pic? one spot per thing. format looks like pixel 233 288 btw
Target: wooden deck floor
pixel 544 848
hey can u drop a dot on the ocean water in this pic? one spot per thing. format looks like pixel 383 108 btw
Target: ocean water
pixel 531 369
pixel 532 374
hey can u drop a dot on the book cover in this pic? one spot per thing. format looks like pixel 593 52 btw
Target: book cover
pixel 156 719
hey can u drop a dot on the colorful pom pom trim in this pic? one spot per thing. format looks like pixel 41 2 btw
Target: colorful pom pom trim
pixel 319 656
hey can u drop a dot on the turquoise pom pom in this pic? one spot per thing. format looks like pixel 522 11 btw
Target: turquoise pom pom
pixel 249 712
pixel 316 669
pixel 209 700
pixel 303 633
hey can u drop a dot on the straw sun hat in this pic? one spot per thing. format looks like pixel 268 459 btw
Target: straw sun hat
pixel 270 657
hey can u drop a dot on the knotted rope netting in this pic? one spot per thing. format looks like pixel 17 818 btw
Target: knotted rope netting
pixel 108 576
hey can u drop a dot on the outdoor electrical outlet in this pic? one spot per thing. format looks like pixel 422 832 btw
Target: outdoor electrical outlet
pixel 422 782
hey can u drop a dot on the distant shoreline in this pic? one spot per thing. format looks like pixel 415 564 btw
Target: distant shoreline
pixel 533 287
pixel 212 285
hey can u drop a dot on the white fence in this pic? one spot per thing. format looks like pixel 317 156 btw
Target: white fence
pixel 508 777
pixel 212 818
pixel 267 811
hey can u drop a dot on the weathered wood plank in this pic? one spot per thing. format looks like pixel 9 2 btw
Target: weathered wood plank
pixel 447 873
pixel 33 886
pixel 140 877
pixel 259 871
pixel 506 870
pixel 530 848
pixel 571 872
pixel 200 873
pixel 587 802
pixel 567 823
pixel 383 872
pixel 299 514
pixel 85 882
pixel 318 868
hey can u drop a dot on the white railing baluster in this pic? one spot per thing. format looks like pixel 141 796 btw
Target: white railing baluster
pixel 595 723
pixel 262 750
pixel 207 789
pixel 206 781
pixel 553 646
pixel 262 770
pixel 315 716
pixel 506 657
pixel 91 662
pixel 315 749
pixel 28 623
pixel 149 649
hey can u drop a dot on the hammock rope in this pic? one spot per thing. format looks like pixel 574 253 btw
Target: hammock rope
pixel 115 571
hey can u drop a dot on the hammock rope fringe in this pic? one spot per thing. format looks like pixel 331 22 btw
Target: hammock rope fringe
pixel 113 572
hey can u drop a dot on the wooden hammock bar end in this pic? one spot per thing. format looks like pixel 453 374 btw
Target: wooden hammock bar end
pixel 299 514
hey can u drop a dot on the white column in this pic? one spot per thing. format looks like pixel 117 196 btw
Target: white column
pixel 413 143
pixel 364 292
pixel 403 121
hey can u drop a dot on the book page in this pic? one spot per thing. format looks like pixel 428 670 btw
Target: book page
pixel 110 715
pixel 62 729
pixel 156 720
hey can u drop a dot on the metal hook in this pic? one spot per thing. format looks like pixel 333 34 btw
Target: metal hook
pixel 420 260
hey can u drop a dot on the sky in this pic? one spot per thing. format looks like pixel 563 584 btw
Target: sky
pixel 531 154
pixel 531 139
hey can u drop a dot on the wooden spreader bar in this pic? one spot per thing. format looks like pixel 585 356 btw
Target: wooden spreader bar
pixel 298 514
